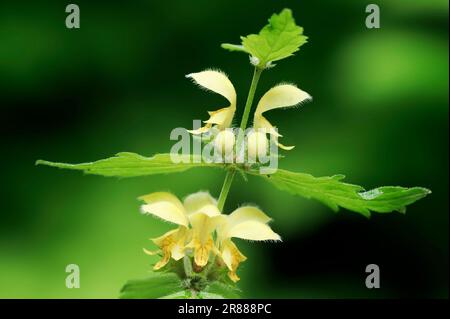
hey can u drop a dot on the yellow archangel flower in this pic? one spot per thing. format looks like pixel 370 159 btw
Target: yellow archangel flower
pixel 246 222
pixel 218 82
pixel 198 210
pixel 280 96
pixel 198 217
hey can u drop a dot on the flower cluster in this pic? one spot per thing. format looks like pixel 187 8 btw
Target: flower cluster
pixel 203 231
pixel 280 96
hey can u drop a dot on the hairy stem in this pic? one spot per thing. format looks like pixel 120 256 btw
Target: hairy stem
pixel 225 188
pixel 248 106
pixel 187 266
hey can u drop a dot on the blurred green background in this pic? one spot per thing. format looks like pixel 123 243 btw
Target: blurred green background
pixel 379 116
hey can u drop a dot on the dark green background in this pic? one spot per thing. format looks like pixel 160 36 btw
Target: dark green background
pixel 379 116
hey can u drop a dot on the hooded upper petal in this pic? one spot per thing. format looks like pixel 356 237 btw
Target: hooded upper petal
pixel 194 202
pixel 165 206
pixel 280 96
pixel 246 213
pixel 253 230
pixel 247 222
pixel 217 82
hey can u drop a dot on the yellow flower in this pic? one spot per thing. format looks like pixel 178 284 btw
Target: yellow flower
pixel 246 222
pixel 197 218
pixel 218 82
pixel 198 210
pixel 171 244
pixel 280 96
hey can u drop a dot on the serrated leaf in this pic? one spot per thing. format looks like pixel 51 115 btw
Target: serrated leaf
pixel 329 190
pixel 156 286
pixel 223 290
pixel 277 40
pixel 335 193
pixel 127 164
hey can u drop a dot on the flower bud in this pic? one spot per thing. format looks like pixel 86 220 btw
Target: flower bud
pixel 254 60
pixel 257 145
pixel 224 142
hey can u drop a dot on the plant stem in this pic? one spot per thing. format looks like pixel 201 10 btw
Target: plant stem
pixel 187 266
pixel 248 106
pixel 225 188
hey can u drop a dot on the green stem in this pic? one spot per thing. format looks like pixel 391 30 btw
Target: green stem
pixel 225 188
pixel 187 266
pixel 248 106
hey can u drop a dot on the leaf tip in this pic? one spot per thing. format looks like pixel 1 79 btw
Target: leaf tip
pixel 286 11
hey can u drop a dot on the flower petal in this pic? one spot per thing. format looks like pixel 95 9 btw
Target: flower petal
pixel 284 147
pixel 150 252
pixel 253 230
pixel 246 213
pixel 178 248
pixel 241 215
pixel 165 206
pixel 165 239
pixel 165 243
pixel 162 262
pixel 162 196
pixel 171 244
pixel 202 250
pixel 232 257
pixel 200 130
pixel 222 117
pixel 217 82
pixel 196 201
pixel 166 211
pixel 205 222
pixel 261 124
pixel 177 251
pixel 280 96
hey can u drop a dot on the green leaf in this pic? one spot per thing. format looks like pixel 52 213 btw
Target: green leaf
pixel 182 294
pixel 335 193
pixel 223 290
pixel 208 295
pixel 233 47
pixel 130 164
pixel 156 286
pixel 278 40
